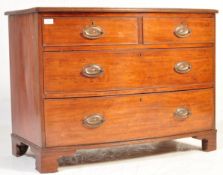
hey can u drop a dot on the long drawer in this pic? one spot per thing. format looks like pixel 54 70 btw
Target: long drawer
pixel 120 118
pixel 73 73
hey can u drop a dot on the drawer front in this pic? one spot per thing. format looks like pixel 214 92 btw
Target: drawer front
pixel 121 118
pixel 68 72
pixel 68 31
pixel 178 30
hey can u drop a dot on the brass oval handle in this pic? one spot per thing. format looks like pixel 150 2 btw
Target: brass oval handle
pixel 182 31
pixel 94 121
pixel 182 113
pixel 92 70
pixel 92 32
pixel 183 67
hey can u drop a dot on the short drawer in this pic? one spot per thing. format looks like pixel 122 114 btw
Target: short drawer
pixel 121 118
pixel 68 31
pixel 178 30
pixel 73 73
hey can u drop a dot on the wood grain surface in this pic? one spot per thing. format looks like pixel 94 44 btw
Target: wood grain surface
pixel 105 10
pixel 67 31
pixel 161 30
pixel 148 69
pixel 138 92
pixel 25 77
pixel 126 117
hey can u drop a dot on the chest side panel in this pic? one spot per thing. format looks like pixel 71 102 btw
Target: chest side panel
pixel 25 77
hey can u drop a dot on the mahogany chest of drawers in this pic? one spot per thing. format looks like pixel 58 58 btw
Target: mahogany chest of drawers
pixel 86 78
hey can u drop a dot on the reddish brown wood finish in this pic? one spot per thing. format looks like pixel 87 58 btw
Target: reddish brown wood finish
pixel 161 30
pixel 67 31
pixel 152 69
pixel 127 47
pixel 46 158
pixel 138 55
pixel 26 92
pixel 106 10
pixel 208 141
pixel 126 117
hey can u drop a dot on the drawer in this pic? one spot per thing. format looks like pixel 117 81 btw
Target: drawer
pixel 68 31
pixel 121 118
pixel 70 73
pixel 178 30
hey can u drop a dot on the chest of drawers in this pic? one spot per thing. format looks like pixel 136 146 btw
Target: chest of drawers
pixel 85 78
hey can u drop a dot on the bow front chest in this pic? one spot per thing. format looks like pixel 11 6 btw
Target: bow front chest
pixel 85 78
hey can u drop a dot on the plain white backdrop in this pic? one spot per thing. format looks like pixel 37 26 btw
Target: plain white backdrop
pixel 191 162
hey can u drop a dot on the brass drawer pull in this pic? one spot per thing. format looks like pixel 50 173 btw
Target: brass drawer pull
pixel 182 31
pixel 92 31
pixel 93 121
pixel 182 113
pixel 182 67
pixel 92 70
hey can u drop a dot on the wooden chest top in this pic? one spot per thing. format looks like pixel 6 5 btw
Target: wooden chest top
pixel 108 10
